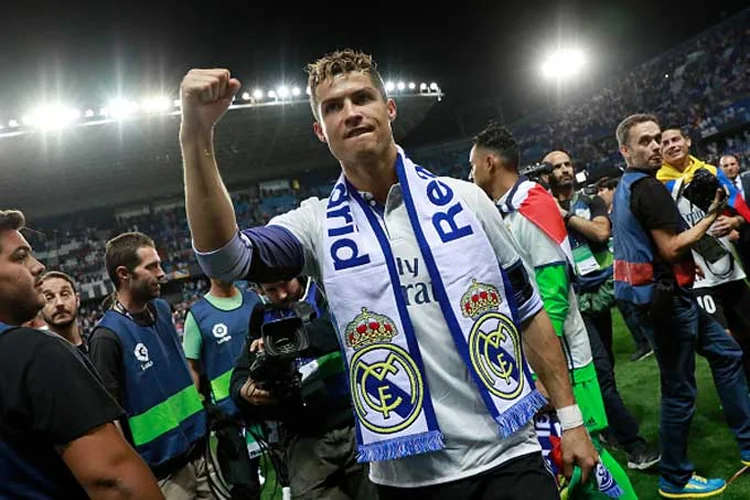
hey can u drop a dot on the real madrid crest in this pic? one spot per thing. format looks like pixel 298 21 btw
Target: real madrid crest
pixel 494 343
pixel 386 384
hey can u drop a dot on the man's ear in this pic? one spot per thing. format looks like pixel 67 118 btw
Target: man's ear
pixel 318 129
pixel 392 109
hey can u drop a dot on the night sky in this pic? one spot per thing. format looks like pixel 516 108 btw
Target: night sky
pixel 85 53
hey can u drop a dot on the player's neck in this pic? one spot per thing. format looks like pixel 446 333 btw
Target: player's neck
pixel 374 176
pixel 223 293
pixel 502 184
pixel 131 304
pixel 71 333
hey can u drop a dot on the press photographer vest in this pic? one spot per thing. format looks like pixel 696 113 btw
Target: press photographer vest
pixel 224 334
pixel 634 254
pixel 591 280
pixel 165 413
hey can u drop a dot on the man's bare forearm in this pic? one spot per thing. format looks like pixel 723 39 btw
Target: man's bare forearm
pixel 209 208
pixel 597 230
pixel 545 356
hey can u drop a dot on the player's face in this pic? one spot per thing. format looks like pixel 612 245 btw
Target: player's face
pixel 563 173
pixel 20 279
pixel 730 166
pixel 61 307
pixel 480 168
pixel 674 146
pixel 283 293
pixel 354 119
pixel 643 150
pixel 147 278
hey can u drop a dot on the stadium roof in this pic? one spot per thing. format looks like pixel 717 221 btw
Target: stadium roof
pixel 125 162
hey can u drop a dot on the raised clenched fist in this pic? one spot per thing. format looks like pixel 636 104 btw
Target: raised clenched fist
pixel 206 95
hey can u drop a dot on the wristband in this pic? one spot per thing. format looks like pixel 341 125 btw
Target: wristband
pixel 570 417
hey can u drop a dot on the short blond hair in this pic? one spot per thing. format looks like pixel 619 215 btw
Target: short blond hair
pixel 338 63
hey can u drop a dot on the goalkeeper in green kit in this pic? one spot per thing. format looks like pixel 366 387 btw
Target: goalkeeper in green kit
pixel 530 213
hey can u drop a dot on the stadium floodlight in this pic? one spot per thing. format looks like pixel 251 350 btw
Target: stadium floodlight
pixel 156 104
pixel 120 109
pixel 272 94
pixel 246 96
pixel 564 63
pixel 389 86
pixel 258 94
pixel 434 87
pixel 295 91
pixel 52 116
pixel 283 91
pixel 14 124
pixel 401 85
pixel 89 113
pixel 412 85
pixel 423 87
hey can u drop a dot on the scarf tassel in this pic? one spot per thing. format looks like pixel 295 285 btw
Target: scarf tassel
pixel 405 446
pixel 520 413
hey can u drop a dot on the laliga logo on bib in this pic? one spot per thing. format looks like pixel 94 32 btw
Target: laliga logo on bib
pixel 220 331
pixel 141 353
pixel 386 384
pixel 494 343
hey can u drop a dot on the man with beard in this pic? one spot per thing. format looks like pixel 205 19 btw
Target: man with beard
pixel 587 221
pixel 57 436
pixel 60 310
pixel 654 270
pixel 136 350
pixel 720 289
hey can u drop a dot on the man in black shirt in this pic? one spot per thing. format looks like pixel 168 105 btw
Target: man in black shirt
pixel 60 310
pixel 136 350
pixel 57 439
pixel 654 269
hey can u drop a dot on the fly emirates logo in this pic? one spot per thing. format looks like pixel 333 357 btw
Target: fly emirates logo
pixel 414 292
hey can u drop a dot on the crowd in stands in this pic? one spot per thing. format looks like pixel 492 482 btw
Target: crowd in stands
pixel 702 84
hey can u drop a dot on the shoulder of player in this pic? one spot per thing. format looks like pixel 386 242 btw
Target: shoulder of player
pixel 467 191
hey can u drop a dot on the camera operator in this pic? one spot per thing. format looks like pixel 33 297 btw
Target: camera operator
pixel 315 412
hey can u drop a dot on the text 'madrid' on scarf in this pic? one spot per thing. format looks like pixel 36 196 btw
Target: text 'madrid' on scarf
pixel 391 397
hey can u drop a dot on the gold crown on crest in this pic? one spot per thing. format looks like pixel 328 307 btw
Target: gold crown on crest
pixel 369 328
pixel 479 299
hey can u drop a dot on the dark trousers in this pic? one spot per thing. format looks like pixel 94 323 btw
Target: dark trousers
pixel 325 468
pixel 678 333
pixel 523 478
pixel 622 425
pixel 636 328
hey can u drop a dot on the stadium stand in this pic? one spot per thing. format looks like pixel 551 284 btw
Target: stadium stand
pixel 704 83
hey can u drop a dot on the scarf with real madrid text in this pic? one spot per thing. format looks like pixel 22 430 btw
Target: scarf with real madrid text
pixel 392 402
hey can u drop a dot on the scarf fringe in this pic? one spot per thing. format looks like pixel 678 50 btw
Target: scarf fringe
pixel 392 449
pixel 515 417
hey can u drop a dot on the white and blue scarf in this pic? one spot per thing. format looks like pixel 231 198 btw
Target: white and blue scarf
pixel 395 415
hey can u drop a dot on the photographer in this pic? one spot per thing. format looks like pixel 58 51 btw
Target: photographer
pixel 314 408
pixel 654 270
